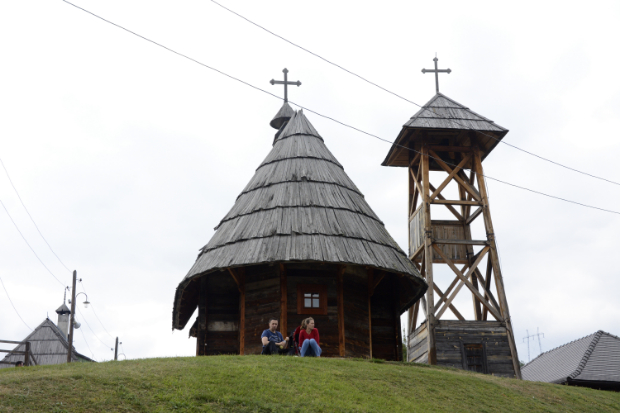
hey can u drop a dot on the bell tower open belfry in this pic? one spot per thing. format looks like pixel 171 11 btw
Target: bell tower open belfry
pixel 447 138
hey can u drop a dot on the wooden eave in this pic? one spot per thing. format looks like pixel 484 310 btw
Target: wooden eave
pixel 411 287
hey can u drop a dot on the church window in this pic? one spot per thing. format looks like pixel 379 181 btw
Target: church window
pixel 311 299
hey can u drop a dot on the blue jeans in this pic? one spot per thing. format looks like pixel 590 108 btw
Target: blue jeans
pixel 310 348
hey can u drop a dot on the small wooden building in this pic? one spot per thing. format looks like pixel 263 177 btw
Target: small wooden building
pixel 299 241
pixel 48 344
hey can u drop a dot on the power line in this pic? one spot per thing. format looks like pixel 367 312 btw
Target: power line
pixel 88 325
pixel 50 247
pixel 13 305
pixel 86 342
pixel 28 212
pixel 29 246
pixel 408 100
pixel 319 114
pixel 94 312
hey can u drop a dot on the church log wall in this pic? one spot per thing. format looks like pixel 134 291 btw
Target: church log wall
pixel 356 312
pixel 327 324
pixel 262 301
pixel 385 325
pixel 222 315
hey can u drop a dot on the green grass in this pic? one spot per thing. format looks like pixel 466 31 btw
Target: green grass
pixel 280 384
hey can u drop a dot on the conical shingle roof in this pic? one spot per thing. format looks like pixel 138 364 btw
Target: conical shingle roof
pixel 300 205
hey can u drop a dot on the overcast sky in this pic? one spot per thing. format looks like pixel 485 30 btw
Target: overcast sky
pixel 127 155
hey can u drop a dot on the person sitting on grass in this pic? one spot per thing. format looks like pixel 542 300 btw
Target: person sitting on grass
pixel 273 342
pixel 309 339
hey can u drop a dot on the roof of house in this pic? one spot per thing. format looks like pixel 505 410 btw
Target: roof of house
pixel 48 345
pixel 300 205
pixel 442 115
pixel 595 357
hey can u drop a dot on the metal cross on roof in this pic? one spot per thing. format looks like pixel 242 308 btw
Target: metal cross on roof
pixel 285 83
pixel 436 71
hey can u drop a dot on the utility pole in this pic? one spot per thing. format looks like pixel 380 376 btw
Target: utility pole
pixel 116 350
pixel 538 335
pixel 71 320
pixel 528 344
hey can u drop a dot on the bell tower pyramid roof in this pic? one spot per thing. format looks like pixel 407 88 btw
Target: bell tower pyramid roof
pixel 444 120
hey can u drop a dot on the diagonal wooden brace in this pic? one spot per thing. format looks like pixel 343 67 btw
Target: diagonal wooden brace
pixel 465 281
pixel 464 184
pixel 451 176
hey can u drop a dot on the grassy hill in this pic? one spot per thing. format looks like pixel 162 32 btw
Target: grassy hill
pixel 280 384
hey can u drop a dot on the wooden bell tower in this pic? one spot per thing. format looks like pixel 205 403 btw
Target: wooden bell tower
pixel 447 138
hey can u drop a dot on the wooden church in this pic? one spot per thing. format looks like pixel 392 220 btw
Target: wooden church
pixel 299 241
pixel 446 138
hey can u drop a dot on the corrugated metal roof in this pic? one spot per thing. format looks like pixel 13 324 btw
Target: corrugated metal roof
pixel 48 345
pixel 300 205
pixel 592 358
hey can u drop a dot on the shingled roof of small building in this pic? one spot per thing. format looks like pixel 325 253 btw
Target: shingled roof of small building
pixel 300 206
pixel 48 345
pixel 593 358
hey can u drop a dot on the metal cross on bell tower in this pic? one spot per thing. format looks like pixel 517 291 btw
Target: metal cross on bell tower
pixel 436 71
pixel 285 83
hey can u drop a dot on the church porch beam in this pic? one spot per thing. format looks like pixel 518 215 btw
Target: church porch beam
pixel 371 274
pixel 201 336
pixel 283 300
pixel 340 288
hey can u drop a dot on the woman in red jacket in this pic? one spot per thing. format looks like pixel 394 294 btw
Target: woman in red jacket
pixel 309 340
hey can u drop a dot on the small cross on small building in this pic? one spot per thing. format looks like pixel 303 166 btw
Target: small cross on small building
pixel 285 83
pixel 436 71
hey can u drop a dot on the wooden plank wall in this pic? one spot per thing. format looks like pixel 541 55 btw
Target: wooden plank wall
pixel 417 345
pixel 356 312
pixel 450 334
pixel 262 301
pixel 222 335
pixel 416 230
pixel 385 326
pixel 327 324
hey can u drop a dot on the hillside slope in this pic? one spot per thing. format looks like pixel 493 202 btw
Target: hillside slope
pixel 284 384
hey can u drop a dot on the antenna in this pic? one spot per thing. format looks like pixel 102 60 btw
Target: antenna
pixel 538 335
pixel 528 344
